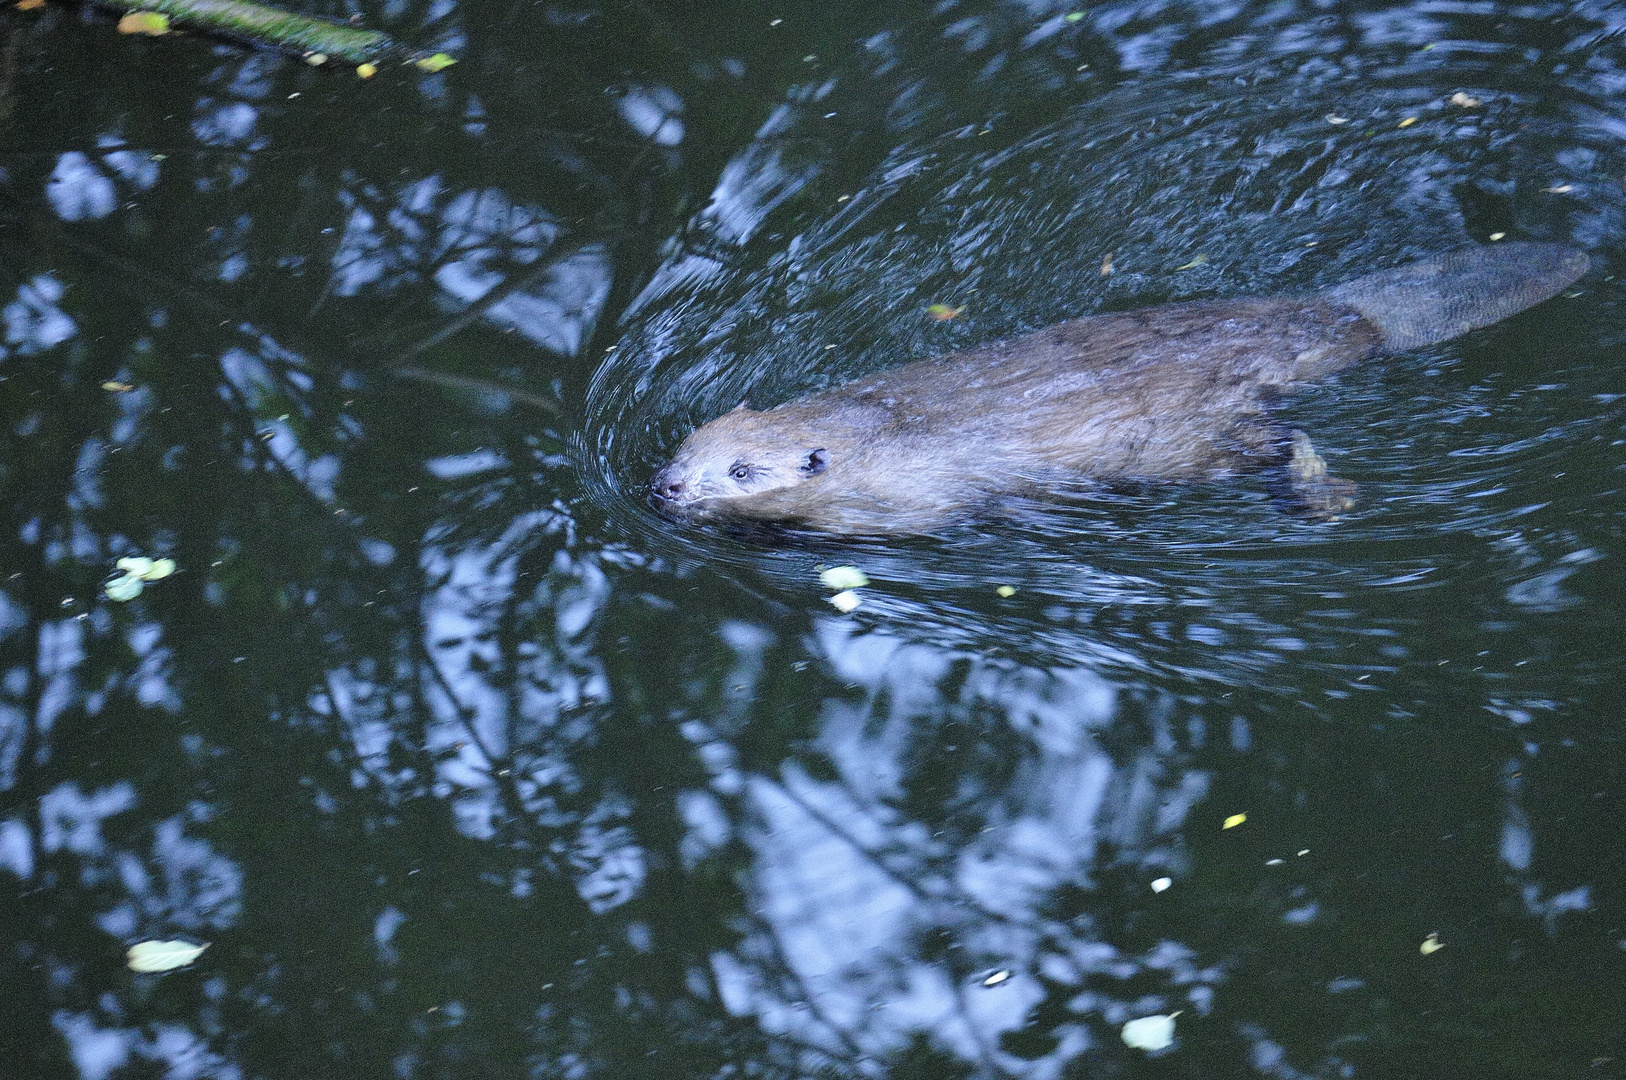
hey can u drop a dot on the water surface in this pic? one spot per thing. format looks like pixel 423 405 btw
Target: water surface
pixel 467 765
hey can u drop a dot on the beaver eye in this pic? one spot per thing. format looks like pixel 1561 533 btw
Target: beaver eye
pixel 739 470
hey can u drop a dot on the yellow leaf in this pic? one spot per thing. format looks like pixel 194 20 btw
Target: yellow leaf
pixel 942 312
pixel 366 71
pixel 1497 235
pixel 842 578
pixel 151 23
pixel 110 385
pixel 162 955
pixel 1431 945
pixel 1006 591
pixel 1200 260
pixel 438 62
pixel 845 601
pixel 1408 122
pixel 1234 820
pixel 315 59
pixel 29 5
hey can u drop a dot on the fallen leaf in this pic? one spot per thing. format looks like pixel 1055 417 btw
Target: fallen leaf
pixel 1464 101
pixel 151 23
pixel 1497 236
pixel 1074 16
pixel 111 386
pixel 122 588
pixel 315 59
pixel 1234 820
pixel 1162 883
pixel 1150 1032
pixel 1106 266
pixel 997 977
pixel 1006 591
pixel 366 71
pixel 135 565
pixel 842 578
pixel 1407 122
pixel 845 601
pixel 1332 119
pixel 1431 945
pixel 1274 862
pixel 1200 260
pixel 438 62
pixel 942 312
pixel 1559 189
pixel 29 5
pixel 162 955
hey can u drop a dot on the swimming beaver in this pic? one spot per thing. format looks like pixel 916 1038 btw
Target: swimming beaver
pixel 1177 392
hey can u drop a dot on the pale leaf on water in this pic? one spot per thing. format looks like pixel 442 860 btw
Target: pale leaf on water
pixel 843 577
pixel 845 601
pixel 1150 1032
pixel 1234 820
pixel 162 955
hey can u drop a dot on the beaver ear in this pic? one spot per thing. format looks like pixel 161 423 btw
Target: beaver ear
pixel 816 462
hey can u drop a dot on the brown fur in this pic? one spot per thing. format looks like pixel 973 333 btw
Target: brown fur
pixel 1179 392
pixel 1167 393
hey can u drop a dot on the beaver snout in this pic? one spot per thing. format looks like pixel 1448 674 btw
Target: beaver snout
pixel 668 486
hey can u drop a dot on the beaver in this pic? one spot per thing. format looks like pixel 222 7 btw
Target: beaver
pixel 1175 392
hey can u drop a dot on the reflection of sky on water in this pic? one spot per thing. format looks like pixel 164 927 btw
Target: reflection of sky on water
pixel 869 914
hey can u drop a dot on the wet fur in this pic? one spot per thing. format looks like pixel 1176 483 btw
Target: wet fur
pixel 1178 392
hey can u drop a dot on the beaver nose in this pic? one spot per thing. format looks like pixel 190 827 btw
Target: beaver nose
pixel 667 485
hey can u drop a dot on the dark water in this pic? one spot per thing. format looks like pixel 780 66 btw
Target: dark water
pixel 468 766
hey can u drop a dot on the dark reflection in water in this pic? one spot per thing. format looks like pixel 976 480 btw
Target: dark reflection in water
pixel 466 764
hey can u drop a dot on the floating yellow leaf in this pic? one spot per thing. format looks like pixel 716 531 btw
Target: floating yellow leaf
pixel 366 71
pixel 162 955
pixel 151 23
pixel 845 601
pixel 1559 189
pixel 111 385
pixel 1408 122
pixel 997 977
pixel 1074 16
pixel 1106 266
pixel 123 588
pixel 315 59
pixel 1431 945
pixel 842 578
pixel 29 5
pixel 1464 101
pixel 1006 591
pixel 942 312
pixel 1200 260
pixel 1159 884
pixel 1497 235
pixel 1234 820
pixel 438 62
pixel 1150 1032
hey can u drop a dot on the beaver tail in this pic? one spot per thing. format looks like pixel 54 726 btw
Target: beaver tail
pixel 1436 299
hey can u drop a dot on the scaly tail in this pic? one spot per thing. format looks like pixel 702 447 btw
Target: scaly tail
pixel 1436 299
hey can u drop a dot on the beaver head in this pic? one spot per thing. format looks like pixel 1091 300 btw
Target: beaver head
pixel 739 463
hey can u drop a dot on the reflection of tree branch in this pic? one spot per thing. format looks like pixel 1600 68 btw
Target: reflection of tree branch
pixel 984 1051
pixel 959 897
pixel 805 993
pixel 473 312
